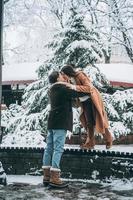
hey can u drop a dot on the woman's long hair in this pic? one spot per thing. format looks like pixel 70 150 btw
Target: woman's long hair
pixel 69 70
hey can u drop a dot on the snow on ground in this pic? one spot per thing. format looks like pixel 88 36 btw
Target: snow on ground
pixel 120 148
pixel 120 184
pixel 111 185
pixel 121 72
pixel 116 184
pixel 30 187
pixel 33 180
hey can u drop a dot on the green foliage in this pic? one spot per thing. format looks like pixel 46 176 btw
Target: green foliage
pixel 76 43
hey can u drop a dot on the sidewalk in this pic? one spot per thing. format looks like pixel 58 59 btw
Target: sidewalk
pixel 31 188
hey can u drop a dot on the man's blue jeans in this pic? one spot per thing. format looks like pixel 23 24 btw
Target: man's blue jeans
pixel 54 148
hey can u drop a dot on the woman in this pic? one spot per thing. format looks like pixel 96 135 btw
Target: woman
pixel 93 113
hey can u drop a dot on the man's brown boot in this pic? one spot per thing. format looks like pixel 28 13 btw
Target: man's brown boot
pixel 46 175
pixel 55 180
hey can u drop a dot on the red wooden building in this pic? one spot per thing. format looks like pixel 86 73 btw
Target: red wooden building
pixel 17 76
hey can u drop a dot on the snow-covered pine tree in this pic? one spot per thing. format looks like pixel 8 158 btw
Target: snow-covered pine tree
pixel 3 177
pixel 119 107
pixel 27 128
pixel 76 43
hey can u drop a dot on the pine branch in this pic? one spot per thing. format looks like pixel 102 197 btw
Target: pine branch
pixel 5 1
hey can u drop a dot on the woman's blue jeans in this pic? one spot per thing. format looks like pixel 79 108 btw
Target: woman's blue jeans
pixel 54 148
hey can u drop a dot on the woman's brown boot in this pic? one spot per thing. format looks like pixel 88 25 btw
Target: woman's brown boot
pixel 90 141
pixel 108 138
pixel 88 146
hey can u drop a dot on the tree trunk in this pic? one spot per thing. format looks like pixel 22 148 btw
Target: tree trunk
pixel 1 58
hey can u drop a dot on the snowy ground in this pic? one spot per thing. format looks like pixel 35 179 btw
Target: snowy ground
pixel 31 188
pixel 120 148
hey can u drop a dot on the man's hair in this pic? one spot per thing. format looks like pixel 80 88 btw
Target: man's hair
pixel 53 77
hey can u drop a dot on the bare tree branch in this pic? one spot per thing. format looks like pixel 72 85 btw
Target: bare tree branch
pixel 5 1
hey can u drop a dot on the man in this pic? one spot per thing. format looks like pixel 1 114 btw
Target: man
pixel 59 121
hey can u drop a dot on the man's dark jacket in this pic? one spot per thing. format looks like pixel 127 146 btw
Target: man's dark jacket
pixel 60 116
